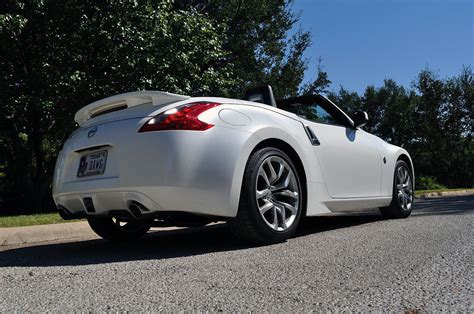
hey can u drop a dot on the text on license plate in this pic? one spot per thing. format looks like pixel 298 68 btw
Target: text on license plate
pixel 92 164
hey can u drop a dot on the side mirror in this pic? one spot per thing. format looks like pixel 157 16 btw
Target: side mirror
pixel 360 118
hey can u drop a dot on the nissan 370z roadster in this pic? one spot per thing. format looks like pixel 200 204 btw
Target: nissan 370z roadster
pixel 147 159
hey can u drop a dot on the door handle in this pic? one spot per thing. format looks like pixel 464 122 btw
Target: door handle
pixel 312 137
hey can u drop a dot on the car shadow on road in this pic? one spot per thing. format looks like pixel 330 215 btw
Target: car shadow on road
pixel 157 245
pixel 197 241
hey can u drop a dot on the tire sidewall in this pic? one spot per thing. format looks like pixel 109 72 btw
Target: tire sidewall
pixel 395 200
pixel 250 186
pixel 106 228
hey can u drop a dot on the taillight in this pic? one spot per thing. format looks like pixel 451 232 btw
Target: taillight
pixel 180 118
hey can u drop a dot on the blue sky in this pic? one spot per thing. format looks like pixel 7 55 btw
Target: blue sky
pixel 362 42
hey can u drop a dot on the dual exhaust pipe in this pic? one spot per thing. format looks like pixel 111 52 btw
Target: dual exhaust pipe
pixel 137 209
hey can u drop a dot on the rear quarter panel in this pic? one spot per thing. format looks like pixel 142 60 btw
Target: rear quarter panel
pixel 273 123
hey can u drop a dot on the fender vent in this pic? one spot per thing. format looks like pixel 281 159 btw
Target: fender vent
pixel 312 137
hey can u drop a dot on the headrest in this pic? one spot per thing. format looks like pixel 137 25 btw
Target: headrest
pixel 262 94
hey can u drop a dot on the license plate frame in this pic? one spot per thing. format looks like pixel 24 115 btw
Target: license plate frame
pixel 92 164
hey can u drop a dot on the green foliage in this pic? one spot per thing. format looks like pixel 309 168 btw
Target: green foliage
pixel 433 121
pixel 445 127
pixel 57 56
pixel 427 183
pixel 320 84
pixel 258 41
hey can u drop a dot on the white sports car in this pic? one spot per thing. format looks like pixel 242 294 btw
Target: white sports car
pixel 149 158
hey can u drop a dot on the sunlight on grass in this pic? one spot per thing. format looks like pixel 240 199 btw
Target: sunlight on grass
pixel 418 192
pixel 54 218
pixel 31 220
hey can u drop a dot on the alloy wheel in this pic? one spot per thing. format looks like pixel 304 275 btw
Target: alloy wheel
pixel 404 188
pixel 277 193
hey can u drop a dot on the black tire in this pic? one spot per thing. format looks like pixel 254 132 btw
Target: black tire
pixel 249 225
pixel 110 228
pixel 396 209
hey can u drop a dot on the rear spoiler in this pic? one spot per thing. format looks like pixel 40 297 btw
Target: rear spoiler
pixel 128 100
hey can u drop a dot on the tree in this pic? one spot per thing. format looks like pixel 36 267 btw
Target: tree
pixel 395 114
pixel 259 42
pixel 346 100
pixel 433 121
pixel 59 56
pixel 445 127
pixel 320 85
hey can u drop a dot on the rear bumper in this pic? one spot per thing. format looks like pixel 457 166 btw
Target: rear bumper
pixel 186 171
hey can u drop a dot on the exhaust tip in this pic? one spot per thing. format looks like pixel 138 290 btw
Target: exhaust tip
pixel 66 214
pixel 63 211
pixel 136 209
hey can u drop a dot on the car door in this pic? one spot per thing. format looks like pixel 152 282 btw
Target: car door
pixel 349 158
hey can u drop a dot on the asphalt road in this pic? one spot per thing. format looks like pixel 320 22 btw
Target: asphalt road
pixel 359 262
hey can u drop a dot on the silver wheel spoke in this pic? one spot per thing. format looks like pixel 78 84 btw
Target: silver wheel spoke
pixel 266 207
pixel 275 218
pixel 263 174
pixel 287 193
pixel 290 207
pixel 277 193
pixel 262 193
pixel 282 213
pixel 406 180
pixel 288 179
pixel 273 174
pixel 280 172
pixel 283 217
pixel 400 196
pixel 404 188
pixel 285 182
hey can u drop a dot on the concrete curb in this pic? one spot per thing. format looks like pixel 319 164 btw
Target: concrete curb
pixel 74 231
pixel 445 193
pixel 63 232
pixel 45 233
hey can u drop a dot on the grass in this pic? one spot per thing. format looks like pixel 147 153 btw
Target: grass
pixel 418 192
pixel 54 218
pixel 31 220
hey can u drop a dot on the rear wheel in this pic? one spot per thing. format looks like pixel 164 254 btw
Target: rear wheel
pixel 402 200
pixel 271 199
pixel 114 229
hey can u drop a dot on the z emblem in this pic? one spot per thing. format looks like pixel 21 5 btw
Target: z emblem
pixel 92 132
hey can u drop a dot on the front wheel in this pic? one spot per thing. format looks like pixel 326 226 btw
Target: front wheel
pixel 271 200
pixel 114 229
pixel 402 200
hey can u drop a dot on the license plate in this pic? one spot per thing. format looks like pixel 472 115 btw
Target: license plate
pixel 92 164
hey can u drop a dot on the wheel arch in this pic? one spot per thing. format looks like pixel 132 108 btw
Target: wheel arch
pixel 406 158
pixel 273 129
pixel 295 158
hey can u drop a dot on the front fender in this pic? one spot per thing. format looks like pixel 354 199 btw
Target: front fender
pixel 393 154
